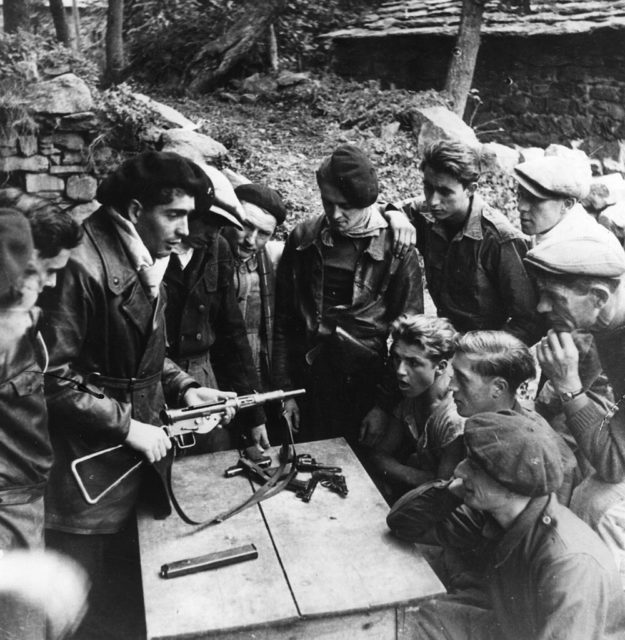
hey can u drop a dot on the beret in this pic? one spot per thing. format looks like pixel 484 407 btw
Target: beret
pixel 263 197
pixel 554 177
pixel 146 172
pixel 520 453
pixel 596 252
pixel 16 249
pixel 350 171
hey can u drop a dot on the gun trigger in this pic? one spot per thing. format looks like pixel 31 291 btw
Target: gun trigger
pixel 185 443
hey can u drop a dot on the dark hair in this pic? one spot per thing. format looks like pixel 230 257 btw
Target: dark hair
pixel 53 229
pixel 436 336
pixel 498 353
pixel 459 160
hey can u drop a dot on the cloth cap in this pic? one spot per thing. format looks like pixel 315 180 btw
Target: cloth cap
pixel 595 253
pixel 16 249
pixel 554 177
pixel 263 197
pixel 351 172
pixel 520 453
pixel 147 172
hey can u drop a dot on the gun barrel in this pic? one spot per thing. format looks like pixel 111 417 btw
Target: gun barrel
pixel 172 416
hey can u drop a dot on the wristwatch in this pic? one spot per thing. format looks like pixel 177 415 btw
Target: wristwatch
pixel 567 396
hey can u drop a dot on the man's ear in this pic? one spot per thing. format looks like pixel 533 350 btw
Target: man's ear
pixel 134 211
pixel 441 367
pixel 471 188
pixel 499 386
pixel 569 203
pixel 601 294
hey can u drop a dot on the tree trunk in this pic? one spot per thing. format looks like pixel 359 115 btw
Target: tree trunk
pixel 464 56
pixel 217 58
pixel 60 22
pixel 114 42
pixel 76 18
pixel 272 48
pixel 16 15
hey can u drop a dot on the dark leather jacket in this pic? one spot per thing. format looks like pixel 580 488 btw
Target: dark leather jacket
pixel 547 576
pixel 99 323
pixel 477 279
pixel 384 288
pixel 203 315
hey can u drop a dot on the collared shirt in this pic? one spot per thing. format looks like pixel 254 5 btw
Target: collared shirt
pixel 477 279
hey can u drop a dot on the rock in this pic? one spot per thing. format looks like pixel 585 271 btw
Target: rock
pixel 72 141
pixel 36 182
pixel 168 114
pixel 290 78
pixel 27 145
pixel 82 211
pixel 73 157
pixel 63 94
pixel 192 145
pixel 258 83
pixel 499 157
pixel 531 153
pixel 85 121
pixel 81 188
pixel 67 169
pixel 32 163
pixel 389 130
pixel 436 123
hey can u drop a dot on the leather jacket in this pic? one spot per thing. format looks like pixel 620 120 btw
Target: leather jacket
pixel 100 326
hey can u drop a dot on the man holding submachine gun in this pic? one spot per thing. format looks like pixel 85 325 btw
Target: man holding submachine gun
pixel 105 330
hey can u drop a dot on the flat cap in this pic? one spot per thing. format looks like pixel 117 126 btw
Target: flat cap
pixel 267 199
pixel 554 177
pixel 147 172
pixel 350 171
pixel 16 250
pixel 595 253
pixel 520 453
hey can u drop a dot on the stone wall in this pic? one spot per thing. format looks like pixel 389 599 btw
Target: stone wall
pixel 539 89
pixel 47 152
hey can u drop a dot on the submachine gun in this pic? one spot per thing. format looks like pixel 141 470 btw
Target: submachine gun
pixel 97 474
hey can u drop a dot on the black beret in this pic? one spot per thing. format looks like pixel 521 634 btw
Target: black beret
pixel 16 249
pixel 139 177
pixel 351 172
pixel 520 453
pixel 263 197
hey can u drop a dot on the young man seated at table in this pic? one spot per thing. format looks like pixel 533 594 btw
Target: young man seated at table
pixel 488 369
pixel 522 566
pixel 422 440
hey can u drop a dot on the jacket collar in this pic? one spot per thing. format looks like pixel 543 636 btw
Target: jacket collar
pixel 520 527
pixel 473 225
pixel 311 235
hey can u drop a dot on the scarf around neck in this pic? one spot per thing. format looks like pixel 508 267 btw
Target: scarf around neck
pixel 370 225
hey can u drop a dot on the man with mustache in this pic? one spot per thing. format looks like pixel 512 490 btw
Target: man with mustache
pixel 581 287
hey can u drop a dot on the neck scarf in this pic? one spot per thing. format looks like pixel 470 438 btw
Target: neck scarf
pixel 149 270
pixel 369 226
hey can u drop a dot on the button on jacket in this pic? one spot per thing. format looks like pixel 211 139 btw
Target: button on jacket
pixel 477 279
pixel 99 323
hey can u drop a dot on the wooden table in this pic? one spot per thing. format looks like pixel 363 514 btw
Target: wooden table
pixel 325 569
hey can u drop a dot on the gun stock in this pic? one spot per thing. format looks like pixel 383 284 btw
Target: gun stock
pixel 97 474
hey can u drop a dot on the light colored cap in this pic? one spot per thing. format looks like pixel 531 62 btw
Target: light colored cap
pixel 554 177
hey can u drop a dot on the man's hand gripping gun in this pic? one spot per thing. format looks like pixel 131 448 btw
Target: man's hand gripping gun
pixel 91 470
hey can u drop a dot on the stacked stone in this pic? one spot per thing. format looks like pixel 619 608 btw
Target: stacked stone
pixel 53 161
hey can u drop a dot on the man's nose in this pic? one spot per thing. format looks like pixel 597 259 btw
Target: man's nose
pixel 182 228
pixel 401 368
pixel 338 212
pixel 452 383
pixel 522 204
pixel 544 305
pixel 251 236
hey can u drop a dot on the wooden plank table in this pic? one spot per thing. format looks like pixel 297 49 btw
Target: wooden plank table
pixel 325 569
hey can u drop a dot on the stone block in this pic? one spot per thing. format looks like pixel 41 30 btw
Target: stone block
pixel 436 123
pixel 61 95
pixel 82 211
pixel 71 141
pixel 36 182
pixel 5 152
pixel 166 113
pixel 27 145
pixel 67 169
pixel 195 146
pixel 81 188
pixel 46 146
pixel 73 157
pixel 610 94
pixel 499 157
pixel 16 163
pixel 85 121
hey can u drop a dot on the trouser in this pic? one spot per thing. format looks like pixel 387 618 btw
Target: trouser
pixel 116 610
pixel 601 505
